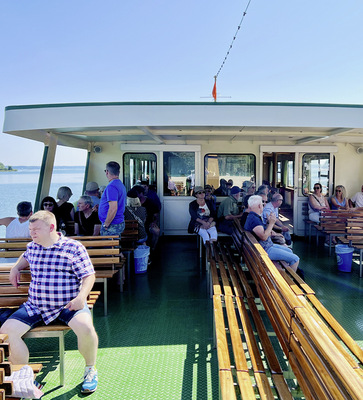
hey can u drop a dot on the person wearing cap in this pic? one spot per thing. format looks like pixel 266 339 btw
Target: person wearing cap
pixel 93 191
pixel 228 211
pixel 18 227
pixel 202 217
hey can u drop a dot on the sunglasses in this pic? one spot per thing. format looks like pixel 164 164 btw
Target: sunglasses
pixel 338 190
pixel 105 170
pixel 200 192
pixel 48 204
pixel 264 202
pixel 316 187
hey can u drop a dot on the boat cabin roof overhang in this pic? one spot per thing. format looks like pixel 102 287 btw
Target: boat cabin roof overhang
pixel 83 124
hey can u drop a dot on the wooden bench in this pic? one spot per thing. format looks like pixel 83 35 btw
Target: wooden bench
pixel 106 258
pixel 248 364
pixel 104 252
pixel 310 338
pixel 332 223
pixel 6 369
pixel 129 237
pixel 354 238
pixel 305 330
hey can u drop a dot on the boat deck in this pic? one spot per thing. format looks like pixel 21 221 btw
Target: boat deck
pixel 157 341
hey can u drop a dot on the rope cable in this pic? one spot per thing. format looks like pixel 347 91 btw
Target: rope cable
pixel 234 38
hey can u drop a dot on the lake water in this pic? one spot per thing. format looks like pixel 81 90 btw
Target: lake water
pixel 21 185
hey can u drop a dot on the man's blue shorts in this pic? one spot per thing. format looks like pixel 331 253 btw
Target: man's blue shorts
pixel 64 317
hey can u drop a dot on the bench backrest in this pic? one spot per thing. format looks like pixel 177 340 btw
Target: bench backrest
pixel 308 342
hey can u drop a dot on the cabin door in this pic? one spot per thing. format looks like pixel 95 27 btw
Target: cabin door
pixel 293 170
pixel 279 171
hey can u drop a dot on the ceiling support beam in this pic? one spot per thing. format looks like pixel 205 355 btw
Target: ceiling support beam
pixel 333 132
pixel 151 135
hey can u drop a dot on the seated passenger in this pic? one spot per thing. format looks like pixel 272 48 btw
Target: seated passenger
pixel 339 200
pixel 228 211
pixel 202 217
pixel 263 189
pixel 210 196
pixel 65 209
pixel 93 191
pixel 317 203
pixel 151 194
pixel 255 225
pixel 222 190
pixel 49 204
pixel 134 211
pixel 357 199
pixel 273 207
pixel 86 221
pixel 18 227
pixel 152 215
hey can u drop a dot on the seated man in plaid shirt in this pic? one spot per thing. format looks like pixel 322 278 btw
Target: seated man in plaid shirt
pixel 62 277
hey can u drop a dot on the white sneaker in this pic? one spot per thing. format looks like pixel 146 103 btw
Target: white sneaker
pixel 90 381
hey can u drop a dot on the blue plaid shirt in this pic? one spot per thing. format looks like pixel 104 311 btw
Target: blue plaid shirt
pixel 56 274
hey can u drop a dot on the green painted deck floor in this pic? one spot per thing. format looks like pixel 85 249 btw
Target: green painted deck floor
pixel 156 342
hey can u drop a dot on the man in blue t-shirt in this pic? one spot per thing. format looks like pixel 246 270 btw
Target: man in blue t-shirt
pixel 112 205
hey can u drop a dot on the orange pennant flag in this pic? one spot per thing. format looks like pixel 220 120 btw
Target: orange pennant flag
pixel 214 91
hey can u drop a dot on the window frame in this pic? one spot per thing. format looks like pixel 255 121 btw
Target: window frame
pixel 228 154
pixel 138 153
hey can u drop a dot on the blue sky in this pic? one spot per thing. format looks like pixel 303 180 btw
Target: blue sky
pixel 164 50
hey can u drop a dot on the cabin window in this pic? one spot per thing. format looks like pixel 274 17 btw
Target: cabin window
pixel 223 170
pixel 179 173
pixel 138 167
pixel 315 169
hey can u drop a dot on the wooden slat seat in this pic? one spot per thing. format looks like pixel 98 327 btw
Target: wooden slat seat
pixel 7 368
pixel 232 293
pixel 306 331
pixel 333 223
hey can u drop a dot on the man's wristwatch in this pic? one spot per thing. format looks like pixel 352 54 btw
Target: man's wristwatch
pixel 106 227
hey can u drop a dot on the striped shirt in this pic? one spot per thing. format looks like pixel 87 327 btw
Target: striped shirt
pixel 56 274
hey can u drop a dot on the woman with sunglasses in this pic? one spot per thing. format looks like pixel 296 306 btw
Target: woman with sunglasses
pixel 202 217
pixel 339 200
pixel 317 202
pixel 49 204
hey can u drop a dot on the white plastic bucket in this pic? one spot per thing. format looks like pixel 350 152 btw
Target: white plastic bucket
pixel 344 257
pixel 141 258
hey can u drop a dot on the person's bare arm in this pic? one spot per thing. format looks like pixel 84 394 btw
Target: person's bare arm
pixel 262 233
pixel 14 276
pixel 78 302
pixel 6 221
pixel 96 230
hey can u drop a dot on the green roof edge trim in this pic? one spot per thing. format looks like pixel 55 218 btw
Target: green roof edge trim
pixel 106 104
